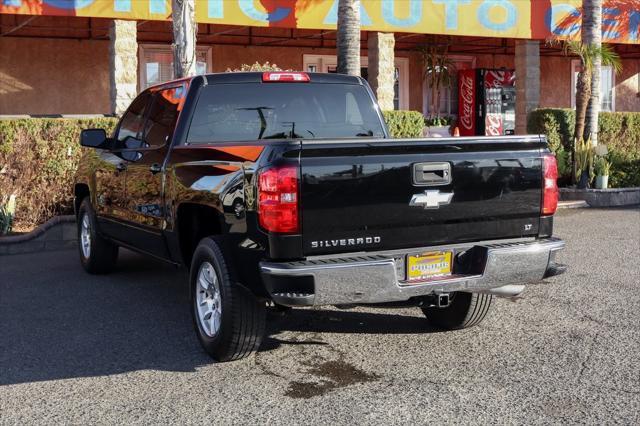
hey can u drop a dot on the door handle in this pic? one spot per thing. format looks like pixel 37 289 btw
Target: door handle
pixel 155 168
pixel 431 174
pixel 121 167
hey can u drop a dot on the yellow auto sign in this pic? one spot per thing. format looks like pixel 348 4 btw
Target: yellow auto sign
pixel 529 19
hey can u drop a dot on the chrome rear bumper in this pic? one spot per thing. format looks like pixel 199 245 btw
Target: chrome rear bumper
pixel 497 268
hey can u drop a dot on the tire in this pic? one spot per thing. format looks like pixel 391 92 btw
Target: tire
pixel 97 254
pixel 465 310
pixel 229 320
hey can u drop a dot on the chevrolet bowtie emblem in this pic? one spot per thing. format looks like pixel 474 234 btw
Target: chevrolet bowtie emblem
pixel 431 199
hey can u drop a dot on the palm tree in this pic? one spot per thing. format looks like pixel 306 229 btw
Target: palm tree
pixel 589 54
pixel 592 35
pixel 185 29
pixel 348 43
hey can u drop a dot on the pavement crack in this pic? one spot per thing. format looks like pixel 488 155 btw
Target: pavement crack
pixel 590 351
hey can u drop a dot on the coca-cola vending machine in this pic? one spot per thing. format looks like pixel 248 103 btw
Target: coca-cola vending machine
pixel 487 102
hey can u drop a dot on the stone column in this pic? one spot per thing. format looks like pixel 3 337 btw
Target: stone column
pixel 123 64
pixel 527 81
pixel 380 53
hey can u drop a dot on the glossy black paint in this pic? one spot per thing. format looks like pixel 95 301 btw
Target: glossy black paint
pixel 359 190
pixel 94 138
pixel 349 188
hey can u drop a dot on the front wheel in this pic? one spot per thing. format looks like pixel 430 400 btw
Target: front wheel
pixel 97 255
pixel 465 310
pixel 228 319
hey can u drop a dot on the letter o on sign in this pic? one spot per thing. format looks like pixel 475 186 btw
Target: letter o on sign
pixel 484 11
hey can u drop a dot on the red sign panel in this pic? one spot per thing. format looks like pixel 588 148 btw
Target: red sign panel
pixel 497 79
pixel 467 102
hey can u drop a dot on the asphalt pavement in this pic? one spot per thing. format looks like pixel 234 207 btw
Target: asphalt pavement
pixel 83 349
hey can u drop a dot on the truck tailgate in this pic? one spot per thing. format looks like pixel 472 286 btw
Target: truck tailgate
pixel 356 195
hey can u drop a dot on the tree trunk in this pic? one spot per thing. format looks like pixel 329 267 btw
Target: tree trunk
pixel 185 29
pixel 348 43
pixel 592 34
pixel 583 94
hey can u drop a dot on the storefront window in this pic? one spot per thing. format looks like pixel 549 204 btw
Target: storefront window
pixel 328 63
pixel 607 87
pixel 156 64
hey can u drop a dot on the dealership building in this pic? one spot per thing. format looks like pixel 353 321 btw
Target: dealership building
pixel 86 57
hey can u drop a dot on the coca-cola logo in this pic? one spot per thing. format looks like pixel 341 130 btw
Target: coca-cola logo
pixel 466 93
pixel 494 79
pixel 494 125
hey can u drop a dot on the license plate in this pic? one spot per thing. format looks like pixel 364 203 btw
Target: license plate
pixel 428 265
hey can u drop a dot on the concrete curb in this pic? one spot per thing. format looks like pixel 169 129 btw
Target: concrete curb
pixel 579 204
pixel 58 233
pixel 615 197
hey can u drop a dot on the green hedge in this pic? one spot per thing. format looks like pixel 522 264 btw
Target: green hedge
pixel 38 161
pixel 619 131
pixel 404 124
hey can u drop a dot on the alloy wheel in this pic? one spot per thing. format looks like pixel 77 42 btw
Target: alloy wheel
pixel 85 236
pixel 208 300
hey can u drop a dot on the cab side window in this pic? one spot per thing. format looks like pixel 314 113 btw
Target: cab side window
pixel 130 130
pixel 162 117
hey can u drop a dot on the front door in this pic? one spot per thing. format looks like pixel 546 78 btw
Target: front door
pixel 145 207
pixel 111 197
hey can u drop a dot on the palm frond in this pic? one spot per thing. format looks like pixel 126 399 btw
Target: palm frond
pixel 589 53
pixel 610 58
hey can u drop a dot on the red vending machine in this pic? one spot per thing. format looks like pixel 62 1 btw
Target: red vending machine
pixel 487 102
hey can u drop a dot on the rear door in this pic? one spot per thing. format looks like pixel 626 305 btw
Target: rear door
pixel 414 193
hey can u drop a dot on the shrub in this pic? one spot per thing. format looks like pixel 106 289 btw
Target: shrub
pixel 257 66
pixel 38 161
pixel 619 131
pixel 625 169
pixel 404 124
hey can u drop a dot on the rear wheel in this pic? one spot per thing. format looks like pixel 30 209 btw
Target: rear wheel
pixel 97 254
pixel 465 310
pixel 228 319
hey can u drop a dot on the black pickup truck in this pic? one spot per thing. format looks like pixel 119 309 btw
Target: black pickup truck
pixel 284 189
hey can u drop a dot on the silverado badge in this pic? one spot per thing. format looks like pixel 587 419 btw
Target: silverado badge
pixel 431 199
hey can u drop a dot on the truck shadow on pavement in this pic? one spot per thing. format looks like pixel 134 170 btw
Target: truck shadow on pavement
pixel 57 322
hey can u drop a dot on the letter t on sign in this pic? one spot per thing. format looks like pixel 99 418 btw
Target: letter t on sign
pixel 451 11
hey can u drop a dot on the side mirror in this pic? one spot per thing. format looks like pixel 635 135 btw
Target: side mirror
pixel 95 138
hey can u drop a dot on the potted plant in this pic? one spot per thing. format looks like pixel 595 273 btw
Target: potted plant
pixel 438 127
pixel 603 167
pixel 584 154
pixel 7 213
pixel 439 70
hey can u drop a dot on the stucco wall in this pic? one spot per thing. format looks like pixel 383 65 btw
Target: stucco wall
pixel 49 76
pixel 555 82
pixel 225 56
pixel 628 86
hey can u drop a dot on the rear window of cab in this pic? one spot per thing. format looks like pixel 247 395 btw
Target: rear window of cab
pixel 254 111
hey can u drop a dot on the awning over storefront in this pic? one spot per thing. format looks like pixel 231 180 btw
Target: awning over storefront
pixel 528 19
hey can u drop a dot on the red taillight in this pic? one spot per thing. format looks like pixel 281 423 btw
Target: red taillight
pixel 550 190
pixel 279 76
pixel 278 199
